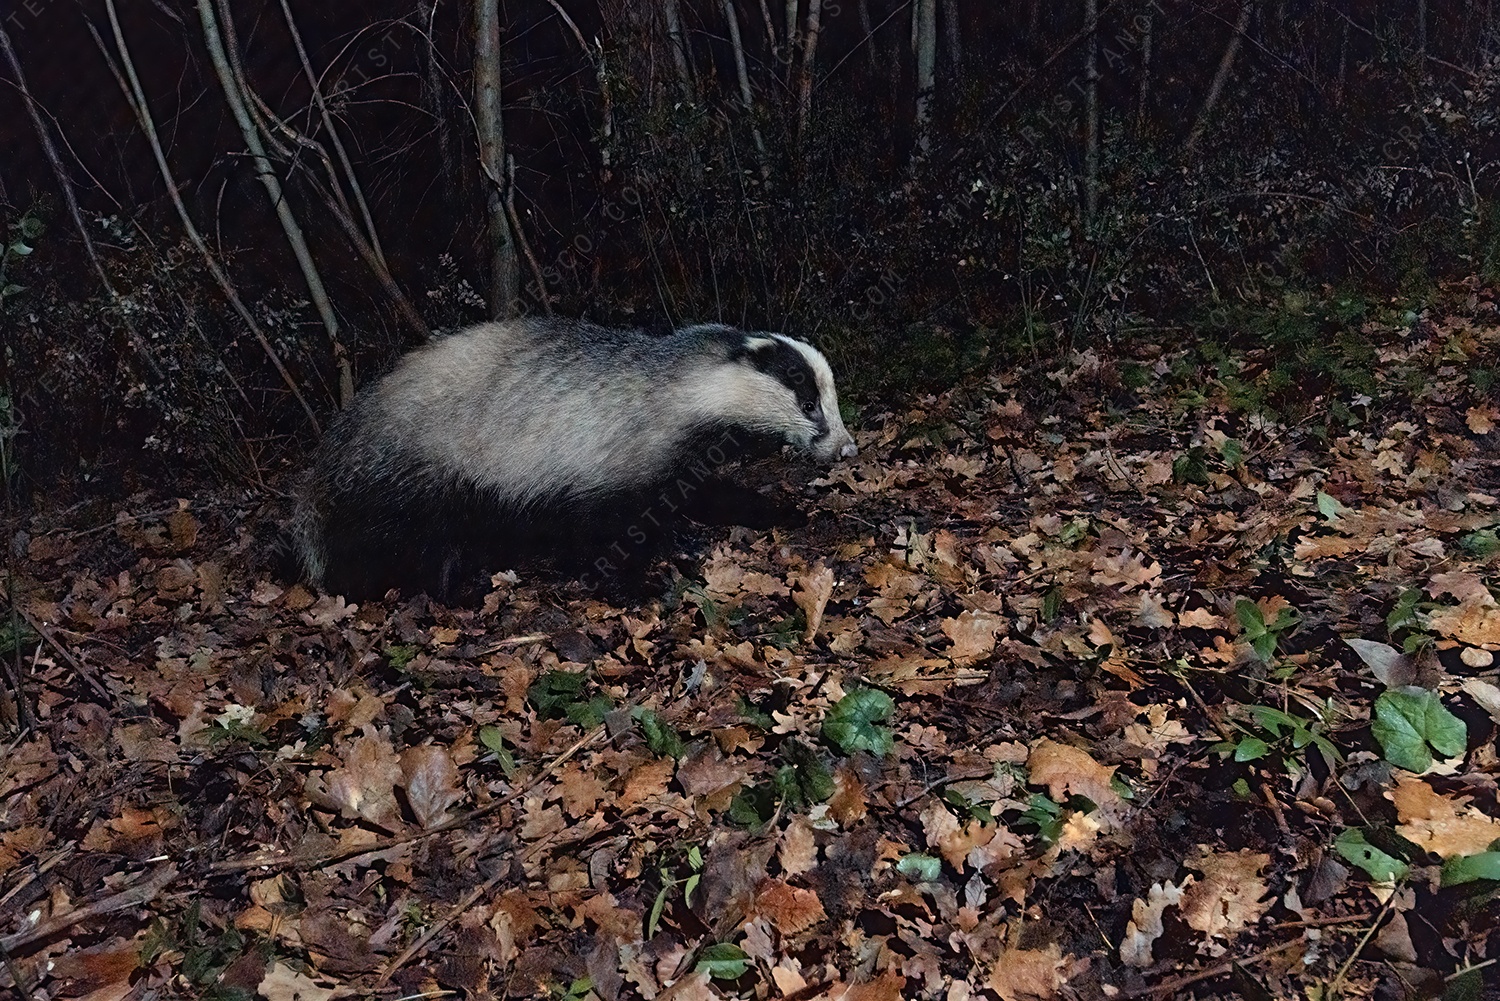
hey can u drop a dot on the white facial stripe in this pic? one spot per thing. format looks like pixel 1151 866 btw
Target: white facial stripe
pixel 837 441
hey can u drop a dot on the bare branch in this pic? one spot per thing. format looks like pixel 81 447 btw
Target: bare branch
pixel 235 88
pixel 678 44
pixel 135 96
pixel 49 148
pixel 1221 77
pixel 333 137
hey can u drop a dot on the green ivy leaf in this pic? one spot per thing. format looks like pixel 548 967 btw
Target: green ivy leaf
pixel 663 740
pixel 1251 619
pixel 1468 868
pixel 1410 723
pixel 554 691
pixel 1191 467
pixel 1052 604
pixel 852 724
pixel 723 961
pixel 401 654
pixel 1384 868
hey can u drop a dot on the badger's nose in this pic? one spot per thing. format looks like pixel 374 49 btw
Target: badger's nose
pixel 849 451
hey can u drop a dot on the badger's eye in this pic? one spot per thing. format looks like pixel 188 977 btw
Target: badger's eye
pixel 809 407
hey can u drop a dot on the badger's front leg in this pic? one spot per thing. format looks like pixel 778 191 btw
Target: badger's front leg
pixel 720 502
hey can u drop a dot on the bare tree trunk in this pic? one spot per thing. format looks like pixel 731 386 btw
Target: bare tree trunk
pixel 678 44
pixel 1422 36
pixel 1091 118
pixel 952 40
pixel 1144 100
pixel 747 99
pixel 809 52
pixel 765 16
pixel 1221 77
pixel 791 34
pixel 867 26
pixel 1338 93
pixel 924 41
pixel 234 96
pixel 505 268
pixel 433 87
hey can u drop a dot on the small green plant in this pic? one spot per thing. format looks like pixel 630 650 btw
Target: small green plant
pixel 1383 855
pixel 560 695
pixel 671 883
pixel 398 655
pixel 920 866
pixel 15 634
pixel 575 990
pixel 235 724
pixel 802 780
pixel 1467 868
pixel 723 961
pixel 206 952
pixel 1273 733
pixel 663 740
pixel 1263 635
pixel 491 738
pixel 1045 815
pixel 24 233
pixel 1191 467
pixel 693 592
pixel 975 811
pixel 1481 545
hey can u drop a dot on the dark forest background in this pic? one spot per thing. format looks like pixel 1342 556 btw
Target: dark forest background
pixel 923 188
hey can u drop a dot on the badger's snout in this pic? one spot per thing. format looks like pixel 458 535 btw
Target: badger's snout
pixel 832 447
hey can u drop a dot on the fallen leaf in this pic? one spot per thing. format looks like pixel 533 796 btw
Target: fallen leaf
pixel 790 909
pixel 1028 974
pixel 1439 824
pixel 431 782
pixel 1231 896
pixel 813 591
pixel 1068 771
pixel 973 635
pixel 1145 925
pixel 282 983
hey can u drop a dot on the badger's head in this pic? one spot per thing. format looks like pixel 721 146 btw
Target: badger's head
pixel 781 386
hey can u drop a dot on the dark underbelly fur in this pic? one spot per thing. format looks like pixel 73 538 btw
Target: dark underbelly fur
pixel 447 541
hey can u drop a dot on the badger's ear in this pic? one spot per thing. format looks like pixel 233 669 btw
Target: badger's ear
pixel 757 351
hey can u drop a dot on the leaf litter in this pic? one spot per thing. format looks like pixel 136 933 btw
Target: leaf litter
pixel 1078 685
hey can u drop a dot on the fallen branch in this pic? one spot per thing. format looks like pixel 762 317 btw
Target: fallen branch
pixel 134 896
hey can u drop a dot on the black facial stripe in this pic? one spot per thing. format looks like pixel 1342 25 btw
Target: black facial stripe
pixel 786 364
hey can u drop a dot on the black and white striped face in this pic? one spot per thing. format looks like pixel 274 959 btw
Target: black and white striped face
pixel 810 416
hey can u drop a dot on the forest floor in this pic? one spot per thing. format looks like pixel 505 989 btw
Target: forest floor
pixel 1154 676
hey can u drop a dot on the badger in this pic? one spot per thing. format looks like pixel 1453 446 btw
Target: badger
pixel 553 442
